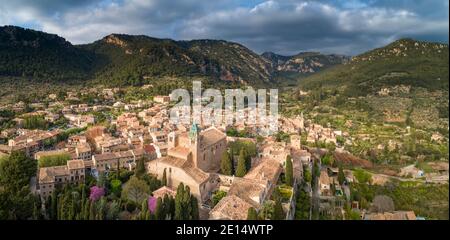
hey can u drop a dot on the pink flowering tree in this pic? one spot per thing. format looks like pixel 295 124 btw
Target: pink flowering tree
pixel 96 193
pixel 152 204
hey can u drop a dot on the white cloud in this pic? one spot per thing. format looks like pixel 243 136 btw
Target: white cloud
pixel 293 26
pixel 284 26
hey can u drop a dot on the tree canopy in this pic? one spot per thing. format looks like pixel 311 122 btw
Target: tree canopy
pixel 136 190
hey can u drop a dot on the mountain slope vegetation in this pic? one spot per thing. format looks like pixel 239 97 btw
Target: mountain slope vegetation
pixel 404 62
pixel 29 53
pixel 123 60
pixel 393 101
pixel 305 62
pixel 120 59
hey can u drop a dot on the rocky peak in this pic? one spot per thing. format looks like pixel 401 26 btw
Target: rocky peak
pixel 115 39
pixel 404 48
pixel 304 62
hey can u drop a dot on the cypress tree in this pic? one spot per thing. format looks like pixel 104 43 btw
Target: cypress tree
pixel 82 201
pixel 159 211
pixel 53 206
pixel 86 209
pixel 72 213
pixel 172 207
pixel 118 169
pixel 315 174
pixel 144 210
pixel 186 202
pixel 164 178
pixel 195 215
pixel 101 209
pixel 251 214
pixel 241 167
pixel 341 175
pixel 306 174
pixel 101 182
pixel 166 205
pixel 226 164
pixel 289 171
pixel 278 213
pixel 35 212
pixel 91 210
pixel 140 168
pixel 60 215
pixel 233 170
pixel 178 202
pixel 248 160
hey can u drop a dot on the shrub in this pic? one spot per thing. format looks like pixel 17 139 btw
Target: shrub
pixel 96 193
pixel 362 176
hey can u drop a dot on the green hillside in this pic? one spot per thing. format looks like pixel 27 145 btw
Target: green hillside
pixel 405 82
pixel 407 62
pixel 391 100
pixel 42 56
pixel 122 60
pixel 132 60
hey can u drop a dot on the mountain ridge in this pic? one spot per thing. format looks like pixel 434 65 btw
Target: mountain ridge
pixel 128 59
pixel 122 59
pixel 404 83
pixel 304 62
pixel 22 52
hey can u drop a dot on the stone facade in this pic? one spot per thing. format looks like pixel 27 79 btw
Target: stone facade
pixel 191 158
pixel 51 177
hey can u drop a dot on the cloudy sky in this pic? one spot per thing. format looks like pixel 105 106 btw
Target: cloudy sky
pixel 281 26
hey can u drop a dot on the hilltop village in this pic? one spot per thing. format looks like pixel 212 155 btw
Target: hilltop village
pixel 114 159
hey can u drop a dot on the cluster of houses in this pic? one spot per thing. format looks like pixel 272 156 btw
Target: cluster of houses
pixel 29 141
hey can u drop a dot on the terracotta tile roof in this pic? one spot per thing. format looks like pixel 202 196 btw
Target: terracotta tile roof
pixel 397 215
pixel 48 174
pixel 138 152
pixel 149 148
pixel 75 164
pixel 267 170
pixel 88 163
pixel 248 190
pixel 124 154
pixel 211 136
pixel 163 191
pixel 230 208
pixel 179 152
pixel 198 175
pixel 324 178
pixel 176 162
pixel 82 148
pixel 104 156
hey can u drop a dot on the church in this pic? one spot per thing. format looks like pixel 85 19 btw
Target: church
pixel 192 159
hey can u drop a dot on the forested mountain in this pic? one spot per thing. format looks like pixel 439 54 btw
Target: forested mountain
pixel 133 59
pixel 39 55
pixel 406 61
pixel 126 60
pixel 306 62
pixel 121 59
pixel 405 82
